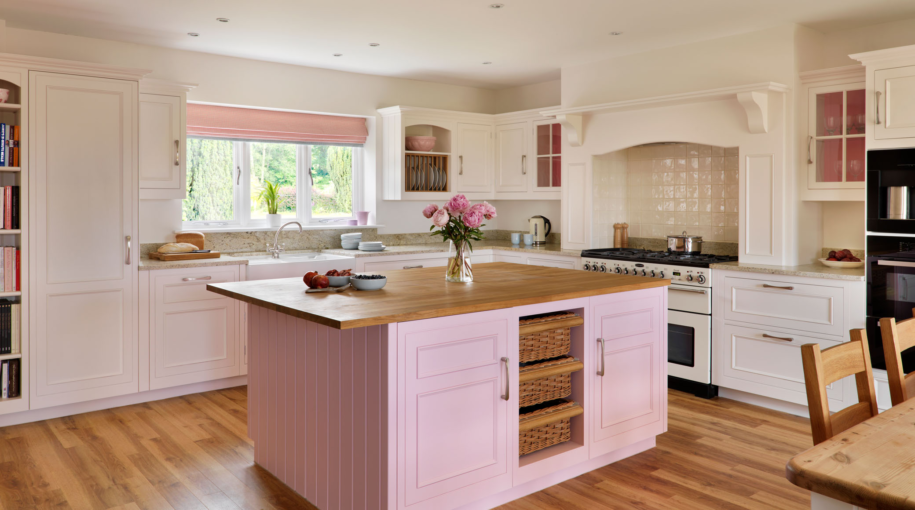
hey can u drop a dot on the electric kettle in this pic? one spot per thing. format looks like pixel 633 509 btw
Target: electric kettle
pixel 540 228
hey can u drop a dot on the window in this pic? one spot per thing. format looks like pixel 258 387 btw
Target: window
pixel 317 183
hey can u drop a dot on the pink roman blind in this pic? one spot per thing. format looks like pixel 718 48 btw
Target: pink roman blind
pixel 268 125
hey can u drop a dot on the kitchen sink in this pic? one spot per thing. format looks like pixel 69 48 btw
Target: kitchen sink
pixel 265 267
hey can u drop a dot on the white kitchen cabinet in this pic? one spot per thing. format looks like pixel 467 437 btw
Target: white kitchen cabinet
pixel 895 103
pixel 83 215
pixel 560 261
pixel 163 134
pixel 194 333
pixel 513 172
pixel 833 151
pixel 502 256
pixel 576 206
pixel 474 159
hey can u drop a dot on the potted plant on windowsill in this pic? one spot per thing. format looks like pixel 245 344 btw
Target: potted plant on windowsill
pixel 270 197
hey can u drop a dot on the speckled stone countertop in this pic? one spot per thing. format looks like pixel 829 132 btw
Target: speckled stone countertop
pixel 548 249
pixel 807 270
pixel 147 264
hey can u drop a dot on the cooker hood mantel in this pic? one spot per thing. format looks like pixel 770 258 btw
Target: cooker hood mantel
pixel 754 98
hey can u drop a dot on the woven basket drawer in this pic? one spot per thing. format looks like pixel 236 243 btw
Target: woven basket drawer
pixel 547 380
pixel 546 336
pixel 546 425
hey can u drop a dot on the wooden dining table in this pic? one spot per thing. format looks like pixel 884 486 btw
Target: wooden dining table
pixel 871 465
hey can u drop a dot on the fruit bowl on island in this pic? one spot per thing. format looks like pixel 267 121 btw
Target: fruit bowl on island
pixel 842 259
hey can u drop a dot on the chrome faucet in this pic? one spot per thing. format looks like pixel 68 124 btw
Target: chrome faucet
pixel 276 249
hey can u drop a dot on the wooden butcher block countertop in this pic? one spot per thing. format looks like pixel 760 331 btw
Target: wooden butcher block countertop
pixel 414 294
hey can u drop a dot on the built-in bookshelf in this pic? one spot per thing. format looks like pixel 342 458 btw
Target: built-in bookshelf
pixel 14 348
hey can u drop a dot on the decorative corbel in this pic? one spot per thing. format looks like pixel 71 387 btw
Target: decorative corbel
pixel 756 104
pixel 571 126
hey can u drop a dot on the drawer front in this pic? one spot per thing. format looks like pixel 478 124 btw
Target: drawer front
pixel 769 365
pixel 387 265
pixel 191 284
pixel 803 307
pixel 564 263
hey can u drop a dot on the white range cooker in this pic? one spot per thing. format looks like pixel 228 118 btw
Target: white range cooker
pixel 689 307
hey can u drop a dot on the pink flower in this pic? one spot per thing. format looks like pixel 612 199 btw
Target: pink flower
pixel 473 218
pixel 430 210
pixel 458 204
pixel 486 209
pixel 440 218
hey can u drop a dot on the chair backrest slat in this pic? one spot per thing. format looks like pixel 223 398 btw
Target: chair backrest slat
pixel 897 337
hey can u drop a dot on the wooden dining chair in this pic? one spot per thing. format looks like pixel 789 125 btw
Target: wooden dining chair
pixel 897 337
pixel 822 368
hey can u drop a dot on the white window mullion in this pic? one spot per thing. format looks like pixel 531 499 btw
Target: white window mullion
pixel 358 179
pixel 303 183
pixel 243 188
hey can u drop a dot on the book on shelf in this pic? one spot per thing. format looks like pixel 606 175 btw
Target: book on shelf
pixel 10 258
pixel 9 207
pixel 10 328
pixel 10 136
pixel 9 378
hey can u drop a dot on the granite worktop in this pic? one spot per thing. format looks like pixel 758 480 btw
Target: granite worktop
pixel 147 264
pixel 816 270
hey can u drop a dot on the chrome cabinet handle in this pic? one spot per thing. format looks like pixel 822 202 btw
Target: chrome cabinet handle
pixel 198 278
pixel 782 338
pixel 413 267
pixel 461 159
pixel 177 154
pixel 602 346
pixel 895 263
pixel 524 164
pixel 507 383
pixel 128 251
pixel 809 159
pixel 766 285
pixel 697 291
pixel 238 176
pixel 877 106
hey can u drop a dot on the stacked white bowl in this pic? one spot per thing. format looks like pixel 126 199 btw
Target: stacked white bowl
pixel 350 241
pixel 371 246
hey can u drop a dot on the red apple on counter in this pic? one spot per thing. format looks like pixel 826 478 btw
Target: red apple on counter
pixel 320 282
pixel 308 278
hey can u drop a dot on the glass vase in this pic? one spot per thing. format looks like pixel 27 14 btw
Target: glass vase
pixel 459 269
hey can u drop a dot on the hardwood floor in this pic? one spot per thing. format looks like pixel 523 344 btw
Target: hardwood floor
pixel 192 453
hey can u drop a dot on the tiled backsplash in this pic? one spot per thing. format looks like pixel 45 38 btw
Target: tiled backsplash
pixel 667 188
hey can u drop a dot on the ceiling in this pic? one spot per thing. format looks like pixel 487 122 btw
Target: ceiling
pixel 527 41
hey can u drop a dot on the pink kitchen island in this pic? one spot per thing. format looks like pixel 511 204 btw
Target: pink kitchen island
pixel 407 397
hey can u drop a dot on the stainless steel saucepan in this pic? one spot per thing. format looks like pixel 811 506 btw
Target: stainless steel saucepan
pixel 685 244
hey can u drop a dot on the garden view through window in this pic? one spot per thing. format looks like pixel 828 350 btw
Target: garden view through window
pixel 225 179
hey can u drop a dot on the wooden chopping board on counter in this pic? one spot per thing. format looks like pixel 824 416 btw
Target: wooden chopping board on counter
pixel 183 256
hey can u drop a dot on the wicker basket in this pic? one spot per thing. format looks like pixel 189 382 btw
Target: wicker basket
pixel 547 336
pixel 547 380
pixel 546 425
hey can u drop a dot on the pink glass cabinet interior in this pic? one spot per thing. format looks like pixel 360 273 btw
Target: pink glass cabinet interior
pixel 839 136
pixel 549 155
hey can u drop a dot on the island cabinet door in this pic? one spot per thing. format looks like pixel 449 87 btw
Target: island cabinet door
pixel 630 374
pixel 453 421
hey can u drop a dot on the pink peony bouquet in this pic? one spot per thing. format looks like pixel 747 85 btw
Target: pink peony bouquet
pixel 459 222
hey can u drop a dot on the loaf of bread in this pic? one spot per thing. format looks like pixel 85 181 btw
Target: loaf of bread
pixel 177 248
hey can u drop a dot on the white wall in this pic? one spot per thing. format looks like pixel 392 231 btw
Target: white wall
pixel 843 225
pixel 528 97
pixel 513 215
pixel 838 45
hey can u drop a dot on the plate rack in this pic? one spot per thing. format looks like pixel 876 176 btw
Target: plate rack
pixel 426 172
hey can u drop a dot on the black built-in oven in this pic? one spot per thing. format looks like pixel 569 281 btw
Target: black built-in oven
pixel 890 290
pixel 890 178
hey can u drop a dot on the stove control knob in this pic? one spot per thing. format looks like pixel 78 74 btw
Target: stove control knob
pixel 653 273
pixel 643 272
pixel 587 267
pixel 689 278
pixel 626 271
pixel 617 270
pixel 662 274
pixel 701 278
pixel 603 268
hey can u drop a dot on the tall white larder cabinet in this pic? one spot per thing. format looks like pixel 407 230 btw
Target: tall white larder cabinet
pixel 84 221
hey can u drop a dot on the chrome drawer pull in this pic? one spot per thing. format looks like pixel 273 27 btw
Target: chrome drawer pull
pixel 128 250
pixel 697 291
pixel 177 154
pixel 189 279
pixel 507 383
pixel 782 338
pixel 766 285
pixel 601 371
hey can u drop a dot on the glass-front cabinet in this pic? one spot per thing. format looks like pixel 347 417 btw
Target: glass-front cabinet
pixel 835 138
pixel 548 138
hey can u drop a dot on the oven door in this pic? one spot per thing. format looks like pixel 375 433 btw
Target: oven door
pixel 891 288
pixel 689 346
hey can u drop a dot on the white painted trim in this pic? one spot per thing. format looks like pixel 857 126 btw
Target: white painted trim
pixel 870 58
pixel 854 72
pixel 756 105
pixel 454 115
pixel 766 402
pixel 671 100
pixel 119 401
pixel 54 65
pixel 164 87
pixel 194 228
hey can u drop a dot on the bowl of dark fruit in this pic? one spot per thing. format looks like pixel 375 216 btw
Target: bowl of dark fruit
pixel 368 281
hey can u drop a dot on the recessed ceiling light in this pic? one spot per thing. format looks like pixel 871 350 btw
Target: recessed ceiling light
pixel 616 33
pixel 193 34
pixel 222 20
pixel 496 6
pixel 486 63
pixel 338 54
pixel 374 44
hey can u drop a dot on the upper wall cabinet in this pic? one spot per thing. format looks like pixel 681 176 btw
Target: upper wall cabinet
pixel 163 133
pixel 486 157
pixel 833 149
pixel 890 97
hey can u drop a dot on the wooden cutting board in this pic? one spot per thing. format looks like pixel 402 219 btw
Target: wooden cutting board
pixel 183 256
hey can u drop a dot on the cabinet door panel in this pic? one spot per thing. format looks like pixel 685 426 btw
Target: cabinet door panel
pixel 512 166
pixel 565 262
pixel 455 422
pixel 474 165
pixel 83 152
pixel 160 141
pixel 629 399
pixel 895 102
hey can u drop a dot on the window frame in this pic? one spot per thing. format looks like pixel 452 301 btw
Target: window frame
pixel 241 187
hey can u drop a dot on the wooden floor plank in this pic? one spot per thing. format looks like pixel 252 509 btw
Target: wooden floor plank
pixel 193 452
